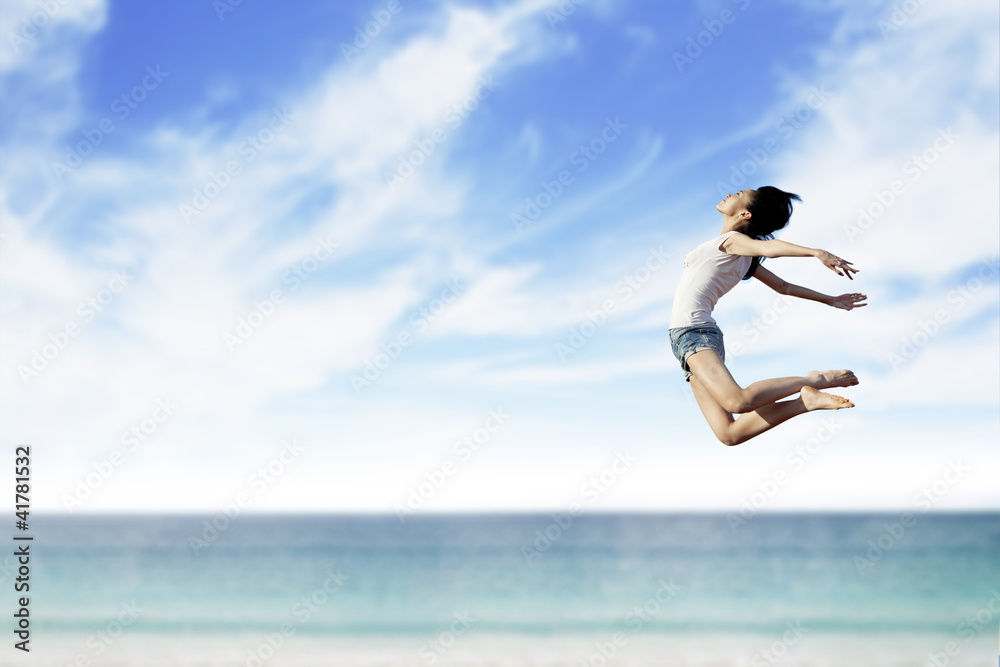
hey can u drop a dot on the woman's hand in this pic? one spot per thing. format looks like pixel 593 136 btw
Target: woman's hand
pixel 836 264
pixel 848 301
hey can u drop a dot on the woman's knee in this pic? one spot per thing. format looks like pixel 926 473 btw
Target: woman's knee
pixel 736 402
pixel 731 400
pixel 728 438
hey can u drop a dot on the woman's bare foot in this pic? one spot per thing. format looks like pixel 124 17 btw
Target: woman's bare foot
pixel 817 400
pixel 827 379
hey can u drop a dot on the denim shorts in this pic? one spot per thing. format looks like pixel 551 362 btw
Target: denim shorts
pixel 685 341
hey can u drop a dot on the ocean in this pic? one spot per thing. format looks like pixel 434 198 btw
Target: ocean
pixel 510 589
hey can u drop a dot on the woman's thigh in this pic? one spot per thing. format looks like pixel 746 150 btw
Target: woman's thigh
pixel 718 418
pixel 709 368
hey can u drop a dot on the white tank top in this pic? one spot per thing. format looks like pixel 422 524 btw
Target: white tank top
pixel 709 272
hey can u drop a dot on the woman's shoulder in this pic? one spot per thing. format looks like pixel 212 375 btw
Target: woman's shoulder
pixel 722 238
pixel 718 239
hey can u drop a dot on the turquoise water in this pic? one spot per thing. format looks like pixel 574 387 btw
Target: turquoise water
pixel 386 578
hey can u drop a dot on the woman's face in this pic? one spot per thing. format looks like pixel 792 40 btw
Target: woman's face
pixel 733 204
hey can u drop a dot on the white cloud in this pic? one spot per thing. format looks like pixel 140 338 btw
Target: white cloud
pixel 32 29
pixel 164 333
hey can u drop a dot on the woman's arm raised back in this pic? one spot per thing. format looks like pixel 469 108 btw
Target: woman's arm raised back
pixel 741 244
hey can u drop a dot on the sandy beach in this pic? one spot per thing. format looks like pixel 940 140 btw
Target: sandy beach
pixel 699 650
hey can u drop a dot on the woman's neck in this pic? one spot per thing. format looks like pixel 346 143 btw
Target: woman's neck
pixel 732 224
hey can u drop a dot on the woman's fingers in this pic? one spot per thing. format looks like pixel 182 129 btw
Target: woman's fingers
pixel 850 301
pixel 847 268
pixel 854 300
pixel 838 265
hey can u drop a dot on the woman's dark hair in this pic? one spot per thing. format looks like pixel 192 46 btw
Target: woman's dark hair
pixel 770 210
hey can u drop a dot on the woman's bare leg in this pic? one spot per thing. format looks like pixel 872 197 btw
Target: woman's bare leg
pixel 718 381
pixel 731 431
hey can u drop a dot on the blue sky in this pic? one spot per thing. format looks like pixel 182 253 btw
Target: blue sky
pixel 257 211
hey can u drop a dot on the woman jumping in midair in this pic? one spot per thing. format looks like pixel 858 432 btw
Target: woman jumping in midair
pixel 750 217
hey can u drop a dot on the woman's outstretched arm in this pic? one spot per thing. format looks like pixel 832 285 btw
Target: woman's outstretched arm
pixel 741 244
pixel 844 301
